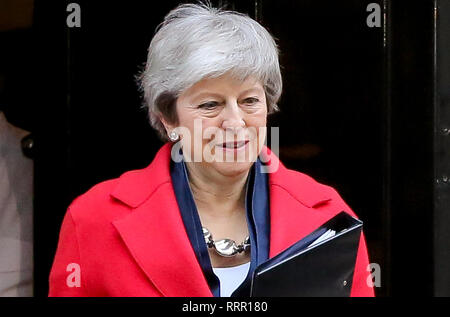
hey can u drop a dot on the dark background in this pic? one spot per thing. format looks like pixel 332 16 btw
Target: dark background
pixel 363 110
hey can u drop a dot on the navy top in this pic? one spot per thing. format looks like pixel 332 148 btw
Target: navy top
pixel 258 220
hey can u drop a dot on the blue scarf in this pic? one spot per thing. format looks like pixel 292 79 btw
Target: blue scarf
pixel 258 219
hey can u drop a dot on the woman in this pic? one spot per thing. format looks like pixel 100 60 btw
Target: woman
pixel 215 202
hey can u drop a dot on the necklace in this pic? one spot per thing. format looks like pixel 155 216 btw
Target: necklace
pixel 225 247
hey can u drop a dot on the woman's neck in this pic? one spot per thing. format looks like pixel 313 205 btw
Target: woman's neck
pixel 216 195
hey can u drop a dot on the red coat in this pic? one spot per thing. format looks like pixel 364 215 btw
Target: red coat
pixel 128 239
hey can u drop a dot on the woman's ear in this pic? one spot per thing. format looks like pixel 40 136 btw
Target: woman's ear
pixel 166 125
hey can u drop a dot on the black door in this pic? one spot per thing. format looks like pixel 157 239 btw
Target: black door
pixel 359 112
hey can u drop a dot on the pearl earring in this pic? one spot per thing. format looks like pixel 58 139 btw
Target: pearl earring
pixel 173 136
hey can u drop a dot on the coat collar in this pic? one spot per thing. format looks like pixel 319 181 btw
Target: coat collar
pixel 137 186
pixel 166 255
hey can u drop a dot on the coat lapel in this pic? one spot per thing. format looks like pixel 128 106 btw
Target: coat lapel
pixel 154 231
pixel 294 198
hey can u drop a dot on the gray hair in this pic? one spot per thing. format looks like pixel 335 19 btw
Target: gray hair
pixel 196 41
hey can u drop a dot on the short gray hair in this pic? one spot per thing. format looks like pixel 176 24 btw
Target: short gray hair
pixel 197 41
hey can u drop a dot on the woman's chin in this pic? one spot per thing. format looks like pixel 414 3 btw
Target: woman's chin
pixel 232 168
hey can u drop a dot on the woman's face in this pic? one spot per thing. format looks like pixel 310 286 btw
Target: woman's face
pixel 224 123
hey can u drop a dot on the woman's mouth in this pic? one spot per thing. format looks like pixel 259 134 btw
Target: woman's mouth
pixel 233 146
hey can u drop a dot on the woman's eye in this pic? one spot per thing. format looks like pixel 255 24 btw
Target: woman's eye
pixel 250 100
pixel 208 105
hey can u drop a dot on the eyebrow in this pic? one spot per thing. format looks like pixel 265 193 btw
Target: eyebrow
pixel 256 89
pixel 212 94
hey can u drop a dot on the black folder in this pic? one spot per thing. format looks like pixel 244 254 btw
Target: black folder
pixel 324 269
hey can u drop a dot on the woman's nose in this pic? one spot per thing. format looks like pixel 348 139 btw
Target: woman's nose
pixel 233 118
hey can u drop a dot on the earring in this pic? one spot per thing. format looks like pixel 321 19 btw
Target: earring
pixel 173 136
